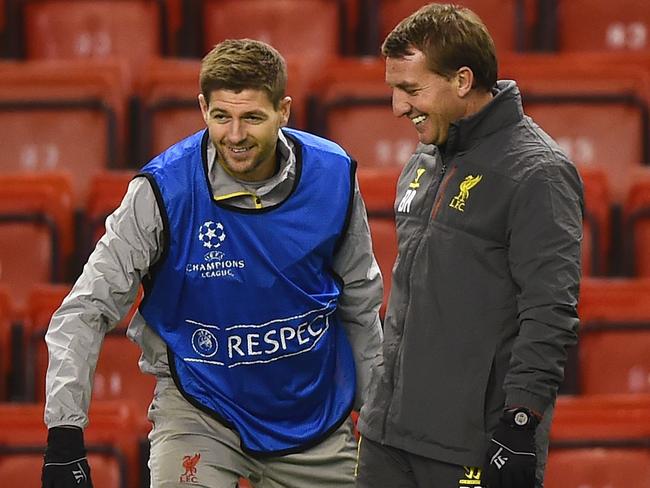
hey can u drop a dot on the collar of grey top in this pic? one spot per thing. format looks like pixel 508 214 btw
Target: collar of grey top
pixel 223 184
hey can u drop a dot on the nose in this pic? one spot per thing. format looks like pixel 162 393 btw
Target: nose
pixel 236 132
pixel 400 104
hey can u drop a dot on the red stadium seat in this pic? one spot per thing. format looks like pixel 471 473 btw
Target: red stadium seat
pixel 600 441
pixel 575 102
pixel 107 190
pixel 600 25
pixel 636 224
pixel 500 16
pixel 57 29
pixel 306 46
pixel 169 106
pixel 351 94
pixel 378 188
pixel 117 376
pixel 282 23
pixel 597 221
pixel 36 230
pixel 614 347
pixel 110 439
pixel 79 110
pixel 597 418
pixel 598 467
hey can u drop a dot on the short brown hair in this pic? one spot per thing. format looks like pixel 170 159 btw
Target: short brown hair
pixel 240 64
pixel 450 37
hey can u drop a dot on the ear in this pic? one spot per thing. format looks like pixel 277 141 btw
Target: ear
pixel 204 107
pixel 285 110
pixel 464 81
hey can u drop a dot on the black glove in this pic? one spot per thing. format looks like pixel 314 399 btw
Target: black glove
pixel 65 464
pixel 511 459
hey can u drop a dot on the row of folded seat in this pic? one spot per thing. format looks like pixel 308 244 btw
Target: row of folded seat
pixel 598 441
pixel 115 102
pixel 120 103
pixel 612 355
pixel 145 28
pixel 89 115
pixel 46 234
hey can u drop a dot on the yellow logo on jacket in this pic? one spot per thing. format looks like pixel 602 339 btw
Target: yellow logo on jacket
pixel 458 202
pixel 407 199
pixel 472 477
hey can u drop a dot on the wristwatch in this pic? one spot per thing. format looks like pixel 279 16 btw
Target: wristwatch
pixel 521 418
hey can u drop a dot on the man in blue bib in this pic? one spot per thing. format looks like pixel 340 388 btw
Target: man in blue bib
pixel 260 313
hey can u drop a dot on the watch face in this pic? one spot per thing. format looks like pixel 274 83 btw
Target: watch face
pixel 521 418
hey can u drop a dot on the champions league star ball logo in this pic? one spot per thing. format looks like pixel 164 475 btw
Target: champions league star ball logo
pixel 211 234
pixel 204 343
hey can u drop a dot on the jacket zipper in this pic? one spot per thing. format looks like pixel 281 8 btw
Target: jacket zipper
pixel 441 189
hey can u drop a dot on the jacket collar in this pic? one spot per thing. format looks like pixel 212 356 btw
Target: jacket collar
pixel 503 110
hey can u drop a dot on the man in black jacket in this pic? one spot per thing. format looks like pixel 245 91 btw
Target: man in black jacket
pixel 485 288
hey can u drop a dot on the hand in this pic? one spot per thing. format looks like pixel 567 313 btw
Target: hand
pixel 65 464
pixel 511 459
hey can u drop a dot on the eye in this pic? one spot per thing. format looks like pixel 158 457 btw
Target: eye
pixel 220 118
pixel 254 119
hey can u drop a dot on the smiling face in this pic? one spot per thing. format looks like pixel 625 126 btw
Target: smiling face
pixel 430 100
pixel 244 127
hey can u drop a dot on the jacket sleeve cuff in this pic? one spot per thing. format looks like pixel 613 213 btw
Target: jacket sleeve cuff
pixel 523 398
